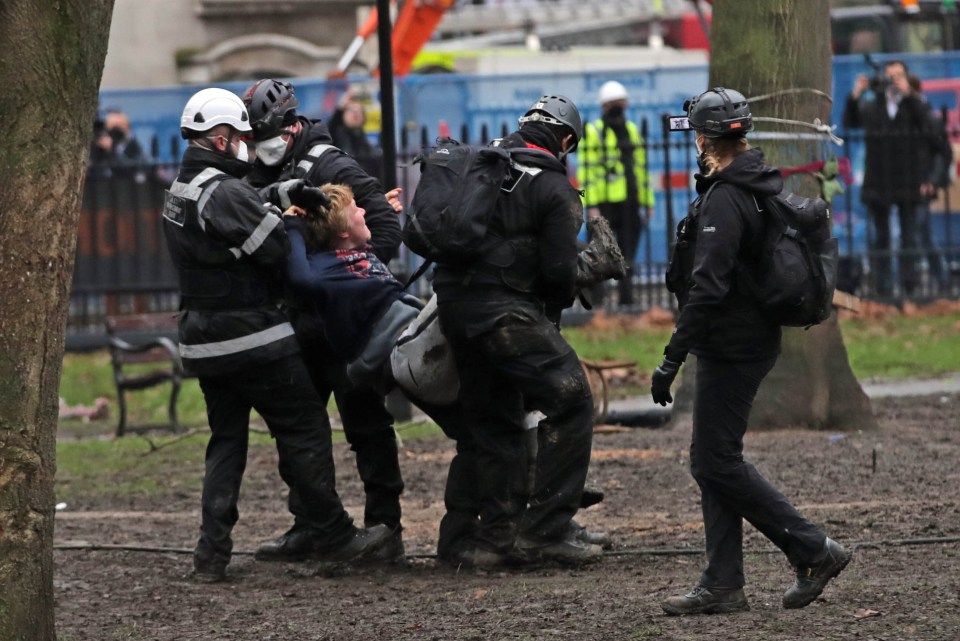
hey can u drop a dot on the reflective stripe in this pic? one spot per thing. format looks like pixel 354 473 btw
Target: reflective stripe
pixel 193 190
pixel 235 345
pixel 533 171
pixel 260 234
pixel 315 152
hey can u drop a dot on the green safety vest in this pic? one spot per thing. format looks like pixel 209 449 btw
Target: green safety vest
pixel 600 170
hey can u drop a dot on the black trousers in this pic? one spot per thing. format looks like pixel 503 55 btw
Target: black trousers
pixel 282 393
pixel 731 488
pixel 879 215
pixel 512 360
pixel 367 425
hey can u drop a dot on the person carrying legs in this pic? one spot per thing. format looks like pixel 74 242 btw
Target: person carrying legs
pixel 511 358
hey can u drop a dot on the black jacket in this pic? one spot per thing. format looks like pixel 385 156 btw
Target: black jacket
pixel 898 150
pixel 334 166
pixel 718 320
pixel 229 250
pixel 539 219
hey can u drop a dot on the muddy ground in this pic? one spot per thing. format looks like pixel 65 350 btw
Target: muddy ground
pixel 901 514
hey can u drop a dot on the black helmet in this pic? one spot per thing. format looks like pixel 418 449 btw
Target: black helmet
pixel 719 113
pixel 272 106
pixel 556 110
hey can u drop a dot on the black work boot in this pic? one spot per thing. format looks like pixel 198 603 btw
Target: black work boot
pixel 569 550
pixel 592 494
pixel 393 550
pixel 603 539
pixel 811 579
pixel 209 567
pixel 296 544
pixel 469 554
pixel 701 600
pixel 361 546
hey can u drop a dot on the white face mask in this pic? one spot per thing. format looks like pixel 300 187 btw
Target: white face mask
pixel 242 152
pixel 696 142
pixel 272 150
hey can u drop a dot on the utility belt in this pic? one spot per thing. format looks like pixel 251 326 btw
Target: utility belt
pixel 221 290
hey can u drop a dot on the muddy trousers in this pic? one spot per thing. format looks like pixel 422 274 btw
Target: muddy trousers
pixel 519 365
pixel 731 488
pixel 367 426
pixel 282 393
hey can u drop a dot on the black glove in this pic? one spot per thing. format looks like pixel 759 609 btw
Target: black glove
pixel 295 192
pixel 662 379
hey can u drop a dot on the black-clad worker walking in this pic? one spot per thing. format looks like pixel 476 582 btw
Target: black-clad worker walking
pixel 736 347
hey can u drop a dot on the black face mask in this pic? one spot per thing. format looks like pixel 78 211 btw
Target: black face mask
pixel 614 112
pixel 117 134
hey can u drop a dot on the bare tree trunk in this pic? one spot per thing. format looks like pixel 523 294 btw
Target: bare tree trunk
pixel 51 60
pixel 764 47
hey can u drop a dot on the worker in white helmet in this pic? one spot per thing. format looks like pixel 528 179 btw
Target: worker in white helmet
pixel 613 175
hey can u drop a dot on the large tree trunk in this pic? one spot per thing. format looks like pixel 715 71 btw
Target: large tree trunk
pixel 50 65
pixel 761 47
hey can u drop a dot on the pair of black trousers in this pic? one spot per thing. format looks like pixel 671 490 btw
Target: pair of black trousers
pixel 367 425
pixel 512 360
pixel 731 488
pixel 282 393
pixel 880 261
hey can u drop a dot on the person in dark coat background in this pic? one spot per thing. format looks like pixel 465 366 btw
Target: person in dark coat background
pixel 896 123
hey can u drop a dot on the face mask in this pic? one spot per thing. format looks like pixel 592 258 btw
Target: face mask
pixel 272 150
pixel 615 111
pixel 696 143
pixel 242 152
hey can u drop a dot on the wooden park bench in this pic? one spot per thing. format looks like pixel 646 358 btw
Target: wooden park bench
pixel 137 339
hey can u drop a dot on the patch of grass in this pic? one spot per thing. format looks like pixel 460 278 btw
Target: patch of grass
pixel 892 347
pixel 901 346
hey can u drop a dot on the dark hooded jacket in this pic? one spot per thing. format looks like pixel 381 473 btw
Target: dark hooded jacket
pixel 538 222
pixel 718 319
pixel 336 167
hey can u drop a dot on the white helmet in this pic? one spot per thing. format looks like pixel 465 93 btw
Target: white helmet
pixel 610 91
pixel 211 107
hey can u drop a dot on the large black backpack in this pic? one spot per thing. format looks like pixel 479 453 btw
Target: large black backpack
pixel 455 199
pixel 796 271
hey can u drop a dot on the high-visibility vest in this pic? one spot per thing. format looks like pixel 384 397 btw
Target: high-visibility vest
pixel 600 171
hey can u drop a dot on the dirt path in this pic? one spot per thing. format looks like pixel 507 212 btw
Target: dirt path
pixel 651 508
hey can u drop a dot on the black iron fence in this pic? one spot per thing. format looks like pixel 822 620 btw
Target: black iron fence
pixel 122 264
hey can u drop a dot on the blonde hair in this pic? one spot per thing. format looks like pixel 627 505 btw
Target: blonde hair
pixel 716 150
pixel 325 225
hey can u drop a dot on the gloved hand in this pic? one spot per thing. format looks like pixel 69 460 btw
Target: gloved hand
pixel 295 192
pixel 662 379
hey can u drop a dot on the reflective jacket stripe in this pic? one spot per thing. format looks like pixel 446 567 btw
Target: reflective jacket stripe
pixel 235 345
pixel 193 190
pixel 315 152
pixel 253 242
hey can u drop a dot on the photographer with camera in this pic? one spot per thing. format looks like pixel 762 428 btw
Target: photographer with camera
pixel 896 130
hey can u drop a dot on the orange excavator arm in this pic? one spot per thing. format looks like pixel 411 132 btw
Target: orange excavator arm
pixel 415 24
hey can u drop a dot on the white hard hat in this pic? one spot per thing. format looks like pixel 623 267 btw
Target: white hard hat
pixel 211 107
pixel 610 91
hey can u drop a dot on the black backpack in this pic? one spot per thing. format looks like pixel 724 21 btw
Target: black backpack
pixel 796 270
pixel 458 192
